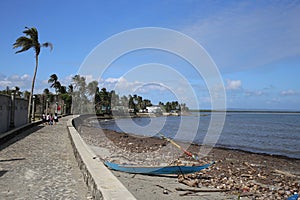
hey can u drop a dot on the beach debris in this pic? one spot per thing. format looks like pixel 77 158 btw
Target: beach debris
pixel 165 190
pixel 189 182
pixel 253 175
pixel 193 191
pixel 133 176
pixel 179 147
pixel 285 173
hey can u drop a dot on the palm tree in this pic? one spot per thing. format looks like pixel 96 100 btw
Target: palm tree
pixel 105 101
pixel 70 89
pixel 55 83
pixel 27 42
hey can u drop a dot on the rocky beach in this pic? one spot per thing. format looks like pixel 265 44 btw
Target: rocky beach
pixel 235 174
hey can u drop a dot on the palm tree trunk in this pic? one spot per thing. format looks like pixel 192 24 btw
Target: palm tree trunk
pixel 32 87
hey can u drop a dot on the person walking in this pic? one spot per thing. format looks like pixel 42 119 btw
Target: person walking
pixel 55 118
pixel 48 119
pixel 51 119
pixel 44 118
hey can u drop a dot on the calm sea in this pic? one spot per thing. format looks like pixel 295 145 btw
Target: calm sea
pixel 270 133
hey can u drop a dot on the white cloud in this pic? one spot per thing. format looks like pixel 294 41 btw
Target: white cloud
pixel 25 77
pixel 233 84
pixel 255 93
pixel 23 81
pixel 67 80
pixel 289 92
pixel 146 88
pixel 112 80
pixel 120 85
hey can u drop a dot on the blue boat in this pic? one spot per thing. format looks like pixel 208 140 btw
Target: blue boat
pixel 156 170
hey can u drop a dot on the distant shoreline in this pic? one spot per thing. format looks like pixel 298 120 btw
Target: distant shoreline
pixel 248 111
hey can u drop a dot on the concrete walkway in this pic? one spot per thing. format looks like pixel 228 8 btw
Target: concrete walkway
pixel 40 164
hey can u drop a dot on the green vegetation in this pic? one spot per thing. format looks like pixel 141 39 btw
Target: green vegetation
pixel 104 102
pixel 88 98
pixel 16 91
pixel 173 106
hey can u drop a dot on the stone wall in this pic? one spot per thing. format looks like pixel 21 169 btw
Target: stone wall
pixel 99 179
pixel 9 119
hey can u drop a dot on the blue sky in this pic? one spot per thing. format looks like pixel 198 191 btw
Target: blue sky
pixel 255 45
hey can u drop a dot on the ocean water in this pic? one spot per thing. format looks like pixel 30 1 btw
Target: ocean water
pixel 269 133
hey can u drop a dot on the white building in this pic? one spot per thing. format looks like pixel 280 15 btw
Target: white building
pixel 154 109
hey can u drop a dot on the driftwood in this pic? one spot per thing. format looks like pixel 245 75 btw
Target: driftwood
pixel 246 194
pixel 192 194
pixel 188 182
pixel 246 175
pixel 202 190
pixel 285 173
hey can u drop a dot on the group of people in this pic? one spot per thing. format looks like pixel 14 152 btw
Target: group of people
pixel 50 118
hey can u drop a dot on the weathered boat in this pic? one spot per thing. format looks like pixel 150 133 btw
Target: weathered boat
pixel 156 170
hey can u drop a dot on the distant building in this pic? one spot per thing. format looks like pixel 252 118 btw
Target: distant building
pixel 154 109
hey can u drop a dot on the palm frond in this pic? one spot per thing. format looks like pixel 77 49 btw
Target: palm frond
pixel 25 48
pixel 32 33
pixel 48 44
pixel 22 41
pixel 53 78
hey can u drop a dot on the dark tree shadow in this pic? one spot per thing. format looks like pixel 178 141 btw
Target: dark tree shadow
pixel 12 159
pixel 3 172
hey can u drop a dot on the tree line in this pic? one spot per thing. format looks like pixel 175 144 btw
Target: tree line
pixel 80 97
pixel 91 98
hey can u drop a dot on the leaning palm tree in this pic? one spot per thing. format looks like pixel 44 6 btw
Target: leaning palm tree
pixel 27 42
pixel 55 83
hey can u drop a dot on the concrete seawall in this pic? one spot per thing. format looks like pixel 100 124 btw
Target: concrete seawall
pixel 13 112
pixel 101 182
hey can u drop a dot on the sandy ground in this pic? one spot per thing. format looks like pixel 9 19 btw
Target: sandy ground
pixel 249 175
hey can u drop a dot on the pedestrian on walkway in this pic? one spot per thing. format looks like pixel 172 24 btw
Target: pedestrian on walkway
pixel 55 118
pixel 44 118
pixel 48 119
pixel 51 119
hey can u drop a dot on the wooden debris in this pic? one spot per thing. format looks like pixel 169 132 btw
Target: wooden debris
pixel 165 189
pixel 191 194
pixel 188 182
pixel 246 194
pixel 202 190
pixel 285 173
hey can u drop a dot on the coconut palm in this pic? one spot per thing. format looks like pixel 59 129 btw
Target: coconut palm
pixel 70 89
pixel 25 43
pixel 55 83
